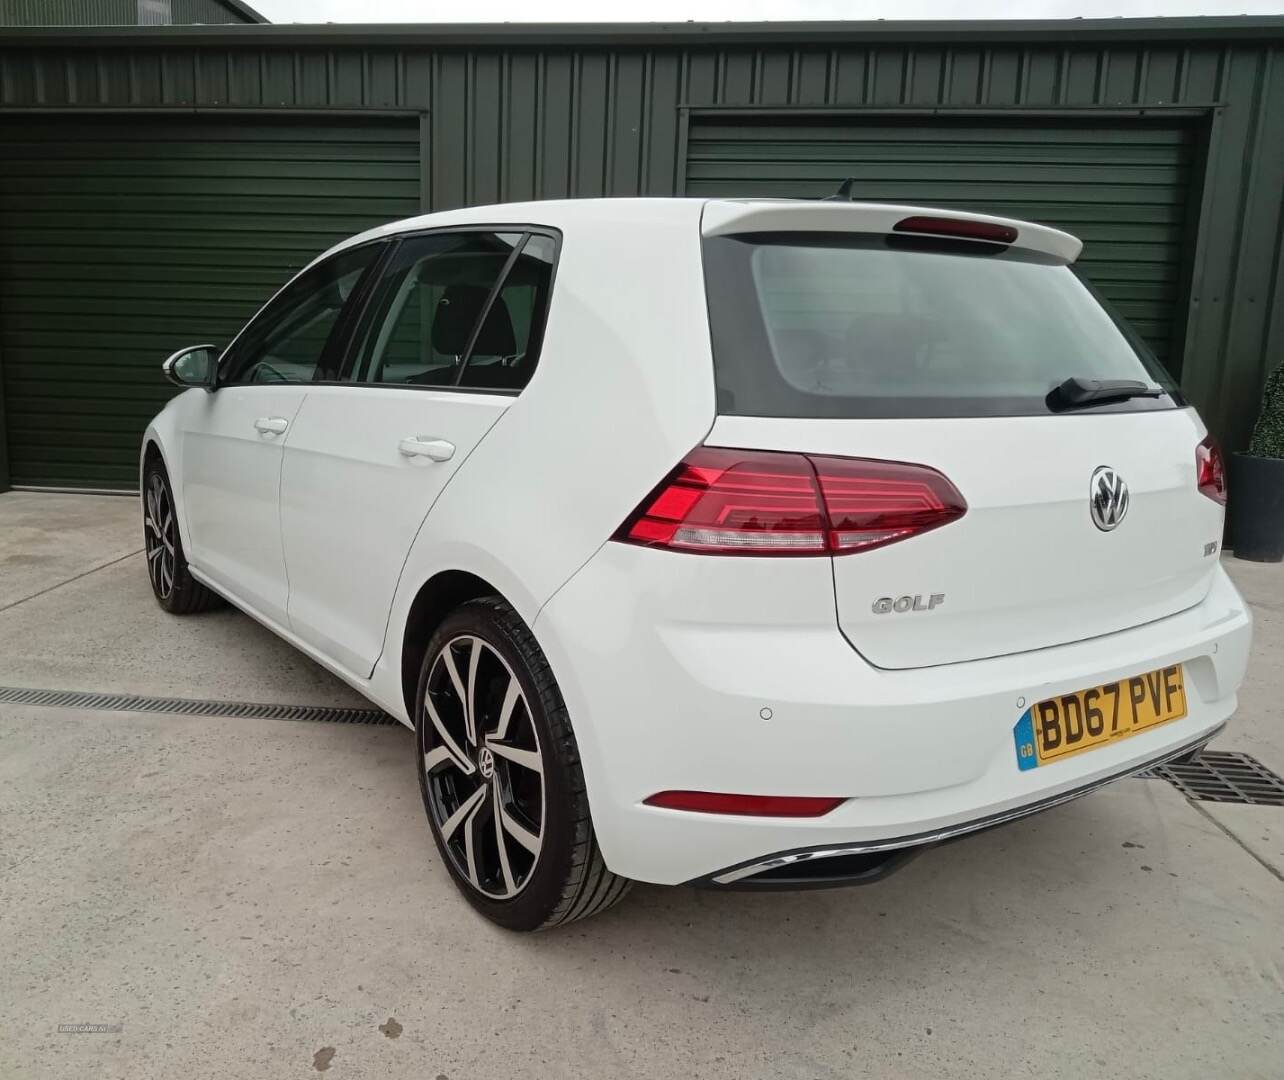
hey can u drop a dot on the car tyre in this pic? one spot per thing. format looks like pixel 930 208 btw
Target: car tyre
pixel 172 583
pixel 499 771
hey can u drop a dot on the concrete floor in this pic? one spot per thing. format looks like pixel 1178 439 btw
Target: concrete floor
pixel 263 899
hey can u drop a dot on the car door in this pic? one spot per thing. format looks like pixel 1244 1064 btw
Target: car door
pixel 450 335
pixel 233 437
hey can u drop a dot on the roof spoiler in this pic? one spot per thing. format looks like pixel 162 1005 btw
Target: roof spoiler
pixel 724 217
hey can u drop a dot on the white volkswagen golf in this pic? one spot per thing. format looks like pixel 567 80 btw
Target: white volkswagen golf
pixel 731 543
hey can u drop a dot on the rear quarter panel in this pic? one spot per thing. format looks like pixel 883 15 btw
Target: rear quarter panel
pixel 624 388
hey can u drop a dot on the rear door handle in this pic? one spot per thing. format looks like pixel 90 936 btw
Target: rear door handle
pixel 271 425
pixel 421 446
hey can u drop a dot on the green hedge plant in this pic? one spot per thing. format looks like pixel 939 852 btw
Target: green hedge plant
pixel 1268 435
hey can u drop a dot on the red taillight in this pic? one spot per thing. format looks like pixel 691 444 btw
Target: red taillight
pixel 763 502
pixel 959 227
pixel 1210 470
pixel 734 502
pixel 713 802
pixel 872 503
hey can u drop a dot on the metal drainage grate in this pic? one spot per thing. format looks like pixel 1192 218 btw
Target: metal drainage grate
pixel 1217 776
pixel 80 699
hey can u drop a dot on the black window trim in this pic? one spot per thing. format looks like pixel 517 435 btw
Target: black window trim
pixel 358 321
pixel 338 333
pixel 339 346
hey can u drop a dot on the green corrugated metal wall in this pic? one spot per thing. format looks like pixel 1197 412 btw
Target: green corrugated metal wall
pixel 552 118
pixel 116 12
pixel 122 239
pixel 1122 187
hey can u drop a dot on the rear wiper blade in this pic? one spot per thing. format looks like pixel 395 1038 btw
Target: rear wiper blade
pixel 1076 391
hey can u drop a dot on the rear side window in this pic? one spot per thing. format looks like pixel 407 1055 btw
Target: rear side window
pixel 504 354
pixel 841 325
pixel 462 310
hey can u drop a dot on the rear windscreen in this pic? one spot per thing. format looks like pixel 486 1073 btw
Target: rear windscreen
pixel 842 325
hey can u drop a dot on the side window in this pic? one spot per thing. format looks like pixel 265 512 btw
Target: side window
pixel 507 347
pixel 440 320
pixel 429 301
pixel 287 341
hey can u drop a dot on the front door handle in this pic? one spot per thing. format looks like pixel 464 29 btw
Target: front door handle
pixel 271 425
pixel 422 446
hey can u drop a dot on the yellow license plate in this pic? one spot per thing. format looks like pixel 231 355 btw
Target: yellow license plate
pixel 1072 723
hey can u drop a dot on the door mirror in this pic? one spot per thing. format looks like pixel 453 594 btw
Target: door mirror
pixel 193 366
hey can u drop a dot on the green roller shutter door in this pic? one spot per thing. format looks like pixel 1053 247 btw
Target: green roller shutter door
pixel 123 239
pixel 1123 188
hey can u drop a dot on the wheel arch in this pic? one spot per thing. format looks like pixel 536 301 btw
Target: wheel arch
pixel 436 598
pixel 162 442
pixel 153 450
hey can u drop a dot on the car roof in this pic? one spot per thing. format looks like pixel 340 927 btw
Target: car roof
pixel 715 217
pixel 555 213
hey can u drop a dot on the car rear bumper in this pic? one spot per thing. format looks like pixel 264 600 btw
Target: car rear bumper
pixel 717 674
pixel 860 863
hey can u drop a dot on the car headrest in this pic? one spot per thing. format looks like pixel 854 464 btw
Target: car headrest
pixel 456 315
pixel 496 337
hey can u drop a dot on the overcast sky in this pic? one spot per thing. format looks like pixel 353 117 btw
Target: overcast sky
pixel 371 11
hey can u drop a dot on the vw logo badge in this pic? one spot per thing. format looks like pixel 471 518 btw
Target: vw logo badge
pixel 486 763
pixel 1107 498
